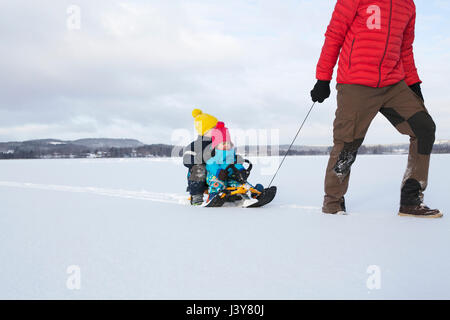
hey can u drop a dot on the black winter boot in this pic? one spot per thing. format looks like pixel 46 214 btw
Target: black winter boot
pixel 419 211
pixel 411 203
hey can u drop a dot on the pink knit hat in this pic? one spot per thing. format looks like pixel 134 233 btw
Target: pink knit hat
pixel 220 134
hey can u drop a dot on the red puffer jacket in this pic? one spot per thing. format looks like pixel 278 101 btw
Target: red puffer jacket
pixel 374 38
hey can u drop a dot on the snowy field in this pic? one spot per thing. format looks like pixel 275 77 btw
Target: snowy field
pixel 124 224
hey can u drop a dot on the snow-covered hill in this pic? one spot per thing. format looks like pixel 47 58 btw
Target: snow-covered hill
pixel 125 224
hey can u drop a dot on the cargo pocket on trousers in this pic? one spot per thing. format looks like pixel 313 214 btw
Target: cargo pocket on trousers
pixel 345 117
pixel 344 126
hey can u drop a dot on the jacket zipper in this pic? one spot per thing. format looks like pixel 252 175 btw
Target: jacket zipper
pixel 350 57
pixel 387 43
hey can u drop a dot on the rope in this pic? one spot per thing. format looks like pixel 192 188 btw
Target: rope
pixel 298 132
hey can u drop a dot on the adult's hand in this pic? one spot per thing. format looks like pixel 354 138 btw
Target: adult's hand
pixel 321 91
pixel 417 90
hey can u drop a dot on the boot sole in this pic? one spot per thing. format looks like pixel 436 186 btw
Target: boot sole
pixel 339 213
pixel 437 215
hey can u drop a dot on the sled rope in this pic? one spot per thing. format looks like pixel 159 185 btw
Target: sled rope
pixel 289 149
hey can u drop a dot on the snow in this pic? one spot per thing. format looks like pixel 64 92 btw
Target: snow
pixel 126 225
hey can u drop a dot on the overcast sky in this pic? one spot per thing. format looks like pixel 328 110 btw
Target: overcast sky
pixel 136 69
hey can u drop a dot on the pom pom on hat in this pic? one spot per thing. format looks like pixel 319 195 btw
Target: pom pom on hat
pixel 220 125
pixel 203 122
pixel 196 113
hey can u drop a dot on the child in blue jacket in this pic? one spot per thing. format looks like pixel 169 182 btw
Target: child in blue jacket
pixel 218 177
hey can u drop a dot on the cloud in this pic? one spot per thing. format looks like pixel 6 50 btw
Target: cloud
pixel 137 68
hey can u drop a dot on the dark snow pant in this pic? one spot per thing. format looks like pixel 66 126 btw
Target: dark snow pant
pixel 357 107
pixel 197 179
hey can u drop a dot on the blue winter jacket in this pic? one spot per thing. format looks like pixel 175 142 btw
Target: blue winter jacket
pixel 221 160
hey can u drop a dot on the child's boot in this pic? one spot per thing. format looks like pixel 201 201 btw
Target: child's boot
pixel 197 199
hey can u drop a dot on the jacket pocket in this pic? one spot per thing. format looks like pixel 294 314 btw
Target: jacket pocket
pixel 350 55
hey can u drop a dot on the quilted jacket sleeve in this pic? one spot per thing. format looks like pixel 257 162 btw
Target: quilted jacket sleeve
pixel 411 76
pixel 342 18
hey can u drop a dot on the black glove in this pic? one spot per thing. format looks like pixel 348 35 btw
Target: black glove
pixel 223 175
pixel 416 89
pixel 321 91
pixel 239 176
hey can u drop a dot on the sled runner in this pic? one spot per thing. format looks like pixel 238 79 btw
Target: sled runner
pixel 266 196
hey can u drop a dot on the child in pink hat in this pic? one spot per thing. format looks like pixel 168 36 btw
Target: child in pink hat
pixel 218 177
pixel 221 136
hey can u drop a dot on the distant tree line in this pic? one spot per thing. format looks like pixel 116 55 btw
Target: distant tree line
pixel 76 151
pixel 441 148
pixel 163 150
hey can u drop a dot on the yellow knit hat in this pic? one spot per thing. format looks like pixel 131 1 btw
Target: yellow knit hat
pixel 203 122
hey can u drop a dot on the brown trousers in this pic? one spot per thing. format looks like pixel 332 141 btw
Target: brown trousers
pixel 357 107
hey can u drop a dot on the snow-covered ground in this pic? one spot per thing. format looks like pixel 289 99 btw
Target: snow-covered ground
pixel 124 224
